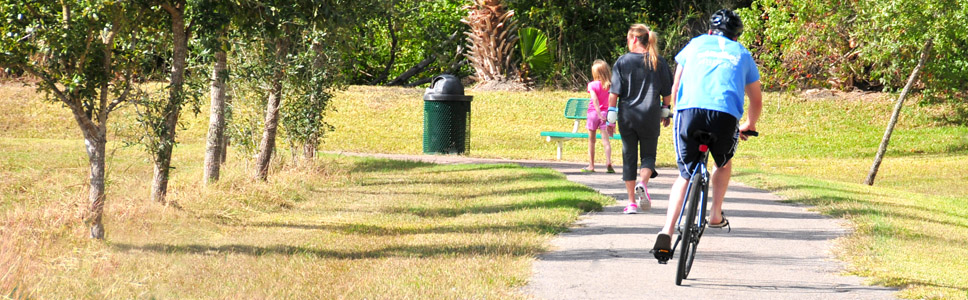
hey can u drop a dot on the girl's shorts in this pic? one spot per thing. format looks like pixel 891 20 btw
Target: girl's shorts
pixel 594 122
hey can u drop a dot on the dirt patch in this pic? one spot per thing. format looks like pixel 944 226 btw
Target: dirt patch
pixel 853 95
pixel 858 95
pixel 816 94
pixel 502 85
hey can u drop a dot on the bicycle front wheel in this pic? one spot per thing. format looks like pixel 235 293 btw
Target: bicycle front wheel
pixel 690 230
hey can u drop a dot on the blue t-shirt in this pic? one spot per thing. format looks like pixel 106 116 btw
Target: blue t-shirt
pixel 715 73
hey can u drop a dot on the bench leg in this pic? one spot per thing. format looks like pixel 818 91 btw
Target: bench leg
pixel 560 145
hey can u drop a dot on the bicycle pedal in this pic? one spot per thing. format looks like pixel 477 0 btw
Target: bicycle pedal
pixel 661 255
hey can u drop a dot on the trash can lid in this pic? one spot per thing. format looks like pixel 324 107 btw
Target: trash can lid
pixel 446 87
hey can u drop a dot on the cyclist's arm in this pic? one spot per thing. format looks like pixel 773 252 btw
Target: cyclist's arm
pixel 756 106
pixel 755 94
pixel 612 100
pixel 675 87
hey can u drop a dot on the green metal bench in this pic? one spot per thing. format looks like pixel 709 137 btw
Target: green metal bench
pixel 575 109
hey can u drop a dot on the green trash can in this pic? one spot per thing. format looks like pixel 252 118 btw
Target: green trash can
pixel 447 117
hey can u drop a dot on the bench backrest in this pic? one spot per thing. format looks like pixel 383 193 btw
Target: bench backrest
pixel 576 108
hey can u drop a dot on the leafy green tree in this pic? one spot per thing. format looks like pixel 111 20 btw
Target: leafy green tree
pixel 428 38
pixel 288 39
pixel 316 72
pixel 892 33
pixel 213 21
pixel 278 26
pixel 310 86
pixel 160 116
pixel 583 31
pixel 87 55
pixel 867 44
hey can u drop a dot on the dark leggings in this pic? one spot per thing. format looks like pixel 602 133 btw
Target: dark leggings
pixel 646 146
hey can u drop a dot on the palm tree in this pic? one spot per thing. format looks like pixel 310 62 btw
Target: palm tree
pixel 492 37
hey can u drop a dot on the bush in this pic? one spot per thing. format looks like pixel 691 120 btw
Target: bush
pixel 588 30
pixel 872 45
pixel 423 29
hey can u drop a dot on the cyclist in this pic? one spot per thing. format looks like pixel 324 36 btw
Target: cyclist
pixel 638 100
pixel 714 73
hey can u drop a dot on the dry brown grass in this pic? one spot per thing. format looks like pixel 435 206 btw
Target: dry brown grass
pixel 13 262
pixel 319 230
pixel 323 230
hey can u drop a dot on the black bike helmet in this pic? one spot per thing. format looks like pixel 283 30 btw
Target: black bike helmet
pixel 727 23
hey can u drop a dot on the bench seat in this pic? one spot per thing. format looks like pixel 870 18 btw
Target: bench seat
pixel 574 135
pixel 575 109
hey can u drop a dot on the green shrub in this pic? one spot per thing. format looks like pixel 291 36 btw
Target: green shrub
pixel 535 51
pixel 587 30
pixel 867 44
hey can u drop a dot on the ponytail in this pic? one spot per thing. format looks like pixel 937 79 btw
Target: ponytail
pixel 653 58
pixel 648 39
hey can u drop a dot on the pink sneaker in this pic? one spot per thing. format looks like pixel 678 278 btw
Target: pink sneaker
pixel 632 208
pixel 642 196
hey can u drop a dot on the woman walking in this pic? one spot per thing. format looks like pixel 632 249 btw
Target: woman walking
pixel 639 100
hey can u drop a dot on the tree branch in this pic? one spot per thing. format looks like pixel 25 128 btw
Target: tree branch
pixel 124 95
pixel 169 8
pixel 393 52
pixel 87 49
pixel 412 71
pixel 108 62
pixel 47 81
pixel 83 121
pixel 66 14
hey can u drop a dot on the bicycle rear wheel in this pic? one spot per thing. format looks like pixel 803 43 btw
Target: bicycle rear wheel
pixel 690 232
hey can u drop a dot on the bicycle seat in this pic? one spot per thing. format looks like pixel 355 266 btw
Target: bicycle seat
pixel 703 137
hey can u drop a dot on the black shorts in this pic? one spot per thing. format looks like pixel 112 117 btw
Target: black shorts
pixel 723 125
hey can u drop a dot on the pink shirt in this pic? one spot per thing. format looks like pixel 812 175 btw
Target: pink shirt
pixel 595 87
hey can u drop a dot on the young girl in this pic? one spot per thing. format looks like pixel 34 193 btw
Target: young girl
pixel 597 107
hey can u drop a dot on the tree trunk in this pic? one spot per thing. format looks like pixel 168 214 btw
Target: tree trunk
pixel 224 148
pixel 95 140
pixel 216 125
pixel 176 97
pixel 309 149
pixel 268 143
pixel 311 143
pixel 412 71
pixel 95 155
pixel 897 113
pixel 393 53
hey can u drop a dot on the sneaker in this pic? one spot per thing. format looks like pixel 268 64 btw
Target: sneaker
pixel 610 170
pixel 632 208
pixel 662 250
pixel 642 196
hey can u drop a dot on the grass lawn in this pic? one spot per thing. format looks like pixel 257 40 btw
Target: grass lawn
pixel 341 227
pixel 910 227
pixel 364 228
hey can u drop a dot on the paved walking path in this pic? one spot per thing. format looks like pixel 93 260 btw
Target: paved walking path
pixel 775 250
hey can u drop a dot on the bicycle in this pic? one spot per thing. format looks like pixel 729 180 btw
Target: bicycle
pixel 697 192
